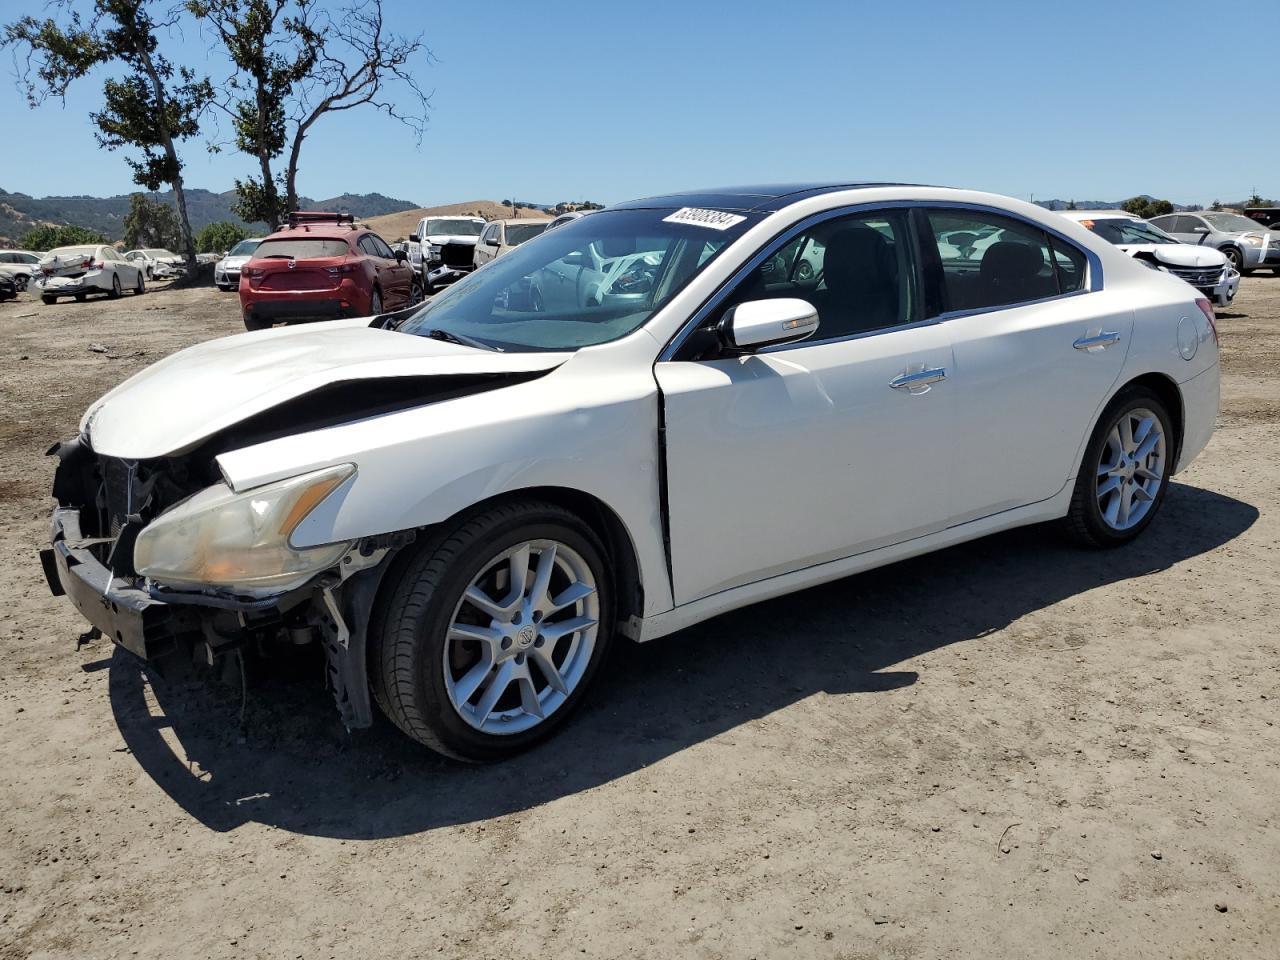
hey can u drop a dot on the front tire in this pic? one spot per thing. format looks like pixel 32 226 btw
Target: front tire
pixel 1125 471
pixel 494 633
pixel 20 283
pixel 48 301
pixel 140 287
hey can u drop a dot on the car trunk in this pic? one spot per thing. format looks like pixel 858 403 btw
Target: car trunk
pixel 309 274
pixel 66 265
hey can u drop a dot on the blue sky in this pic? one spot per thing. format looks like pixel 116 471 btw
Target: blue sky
pixel 557 100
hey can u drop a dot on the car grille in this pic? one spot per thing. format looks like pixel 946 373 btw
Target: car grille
pixel 1198 276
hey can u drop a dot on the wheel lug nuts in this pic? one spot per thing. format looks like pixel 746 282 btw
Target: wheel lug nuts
pixel 506 643
pixel 515 617
pixel 537 616
pixel 539 640
pixel 519 658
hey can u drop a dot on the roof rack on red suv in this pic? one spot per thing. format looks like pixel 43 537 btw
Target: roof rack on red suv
pixel 299 218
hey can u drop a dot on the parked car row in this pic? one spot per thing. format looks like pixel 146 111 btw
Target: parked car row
pixel 1207 269
pixel 78 271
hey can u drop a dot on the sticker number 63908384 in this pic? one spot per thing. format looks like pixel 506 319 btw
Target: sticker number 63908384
pixel 699 217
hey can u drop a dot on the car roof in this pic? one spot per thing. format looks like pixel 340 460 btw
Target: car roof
pixel 752 199
pixel 1078 215
pixel 521 220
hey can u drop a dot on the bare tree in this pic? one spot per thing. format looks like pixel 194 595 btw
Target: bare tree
pixel 298 61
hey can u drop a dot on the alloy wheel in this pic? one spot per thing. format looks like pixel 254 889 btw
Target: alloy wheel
pixel 1131 468
pixel 521 638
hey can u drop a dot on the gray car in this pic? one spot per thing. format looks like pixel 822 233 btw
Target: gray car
pixel 1247 245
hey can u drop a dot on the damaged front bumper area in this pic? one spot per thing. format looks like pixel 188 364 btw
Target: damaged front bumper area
pixel 104 502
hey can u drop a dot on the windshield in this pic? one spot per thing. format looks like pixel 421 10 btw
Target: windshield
pixel 588 282
pixel 1122 231
pixel 454 228
pixel 65 252
pixel 244 248
pixel 518 233
pixel 300 248
pixel 1230 222
pixel 159 253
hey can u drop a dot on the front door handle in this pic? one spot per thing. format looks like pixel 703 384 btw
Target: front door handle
pixel 918 381
pixel 1097 341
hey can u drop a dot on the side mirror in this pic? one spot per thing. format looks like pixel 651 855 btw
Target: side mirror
pixel 763 323
pixel 401 255
pixel 491 242
pixel 413 238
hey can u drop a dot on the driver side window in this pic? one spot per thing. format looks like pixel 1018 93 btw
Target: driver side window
pixel 858 272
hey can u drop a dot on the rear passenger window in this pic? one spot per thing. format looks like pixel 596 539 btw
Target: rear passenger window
pixel 1071 264
pixel 993 261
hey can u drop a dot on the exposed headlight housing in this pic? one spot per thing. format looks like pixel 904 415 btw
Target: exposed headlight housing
pixel 1252 239
pixel 434 249
pixel 240 541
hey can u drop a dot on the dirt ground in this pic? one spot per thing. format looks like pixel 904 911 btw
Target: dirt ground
pixel 1010 749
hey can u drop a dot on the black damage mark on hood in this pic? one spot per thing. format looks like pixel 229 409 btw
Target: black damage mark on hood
pixel 350 400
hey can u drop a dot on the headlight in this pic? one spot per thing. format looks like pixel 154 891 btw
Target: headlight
pixel 434 249
pixel 224 539
pixel 1252 239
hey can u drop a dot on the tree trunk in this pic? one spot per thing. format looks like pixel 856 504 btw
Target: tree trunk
pixel 171 153
pixel 269 193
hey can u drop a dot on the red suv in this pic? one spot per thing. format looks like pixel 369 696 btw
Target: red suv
pixel 321 267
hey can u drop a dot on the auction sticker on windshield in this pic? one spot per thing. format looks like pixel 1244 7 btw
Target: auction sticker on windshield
pixel 698 217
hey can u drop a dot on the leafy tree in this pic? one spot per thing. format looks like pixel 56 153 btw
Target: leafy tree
pixel 1071 205
pixel 48 237
pixel 300 61
pixel 1146 207
pixel 1215 206
pixel 150 224
pixel 1255 200
pixel 220 236
pixel 151 108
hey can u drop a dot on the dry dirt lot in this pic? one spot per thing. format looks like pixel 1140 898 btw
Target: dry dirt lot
pixel 1009 749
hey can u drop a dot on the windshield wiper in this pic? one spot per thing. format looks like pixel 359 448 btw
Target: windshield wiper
pixel 449 336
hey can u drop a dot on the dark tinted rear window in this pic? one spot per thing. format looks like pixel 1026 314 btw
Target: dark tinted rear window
pixel 301 248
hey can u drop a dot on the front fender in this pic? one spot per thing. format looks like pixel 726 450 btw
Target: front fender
pixel 422 466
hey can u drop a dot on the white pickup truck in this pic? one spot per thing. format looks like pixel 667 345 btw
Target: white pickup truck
pixel 441 248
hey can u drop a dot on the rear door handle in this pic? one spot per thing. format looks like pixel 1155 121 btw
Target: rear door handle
pixel 1098 341
pixel 919 381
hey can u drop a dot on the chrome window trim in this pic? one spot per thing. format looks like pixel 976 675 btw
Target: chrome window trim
pixel 1093 284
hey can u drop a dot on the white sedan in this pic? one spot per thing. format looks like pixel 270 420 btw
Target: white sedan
pixel 81 270
pixel 464 504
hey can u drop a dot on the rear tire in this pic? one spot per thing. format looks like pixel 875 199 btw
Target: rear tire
pixel 1122 483
pixel 428 637
pixel 254 323
pixel 48 301
pixel 140 287
pixel 81 297
pixel 20 282
pixel 114 292
pixel 375 302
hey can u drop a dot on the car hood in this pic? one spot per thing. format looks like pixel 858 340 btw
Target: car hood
pixel 191 395
pixel 442 238
pixel 1178 254
pixel 233 263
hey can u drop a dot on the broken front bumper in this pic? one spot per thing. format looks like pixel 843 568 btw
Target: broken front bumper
pixel 125 613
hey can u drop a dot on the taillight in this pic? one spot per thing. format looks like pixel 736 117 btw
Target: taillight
pixel 1207 309
pixel 349 266
pixel 253 272
pixel 89 264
